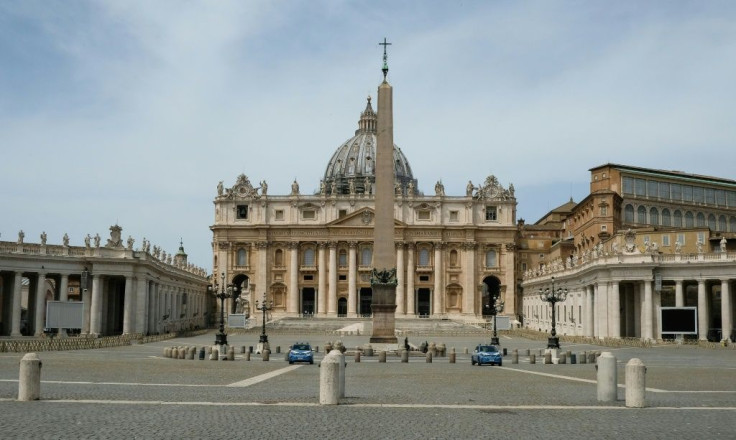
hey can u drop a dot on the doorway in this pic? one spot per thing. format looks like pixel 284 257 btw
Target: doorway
pixel 366 297
pixel 308 296
pixel 424 302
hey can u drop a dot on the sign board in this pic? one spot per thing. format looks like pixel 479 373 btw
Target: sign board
pixel 503 323
pixel 237 320
pixel 64 314
pixel 679 320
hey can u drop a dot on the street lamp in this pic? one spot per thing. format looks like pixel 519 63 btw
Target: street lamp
pixel 225 292
pixel 553 296
pixel 494 307
pixel 264 306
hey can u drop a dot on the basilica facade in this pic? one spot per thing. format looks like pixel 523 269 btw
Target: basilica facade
pixel 311 254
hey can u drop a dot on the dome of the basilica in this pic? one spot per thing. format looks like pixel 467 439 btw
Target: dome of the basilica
pixel 352 169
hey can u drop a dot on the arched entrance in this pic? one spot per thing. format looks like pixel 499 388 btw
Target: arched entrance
pixel 308 300
pixel 240 302
pixel 365 299
pixel 490 292
pixel 342 307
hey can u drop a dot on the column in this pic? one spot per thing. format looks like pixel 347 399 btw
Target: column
pixel 726 310
pixel 602 306
pixel 322 280
pixel 293 300
pixel 470 286
pixel 128 307
pixel 95 313
pixel 410 275
pixel 615 312
pixel 702 312
pixel 40 303
pixel 595 311
pixel 588 311
pixel 656 305
pixel 438 270
pixel 400 278
pixel 646 313
pixel 141 310
pixel 352 279
pixel 332 295
pixel 151 313
pixel 17 293
pixel 679 295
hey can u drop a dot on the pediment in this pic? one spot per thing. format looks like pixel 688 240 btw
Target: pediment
pixel 361 218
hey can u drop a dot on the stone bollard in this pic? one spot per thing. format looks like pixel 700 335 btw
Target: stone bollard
pixel 541 352
pixel 316 348
pixel 548 358
pixel 382 356
pixel 504 352
pixel 167 352
pixel 214 354
pixel 432 349
pixel 514 356
pixel 591 358
pixel 357 356
pixel 175 353
pixel 182 352
pixel 429 357
pixel 532 358
pixel 231 354
pixel 441 349
pixel 192 353
pixel 635 383
pixel 278 349
pixel 242 349
pixel 29 381
pixel 562 359
pixel 404 356
pixel 465 350
pixel 568 353
pixel 209 350
pixel 583 358
pixel 329 380
pixel 201 353
pixel 607 388
pixel 247 356
pixel 266 355
pixel 573 358
pixel 452 357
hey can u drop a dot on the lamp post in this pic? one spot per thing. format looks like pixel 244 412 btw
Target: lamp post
pixel 553 296
pixel 264 306
pixel 225 292
pixel 493 308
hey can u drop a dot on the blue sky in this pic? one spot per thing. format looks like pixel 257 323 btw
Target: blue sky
pixel 131 112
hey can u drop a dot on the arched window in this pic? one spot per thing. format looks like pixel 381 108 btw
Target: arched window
pixel 689 221
pixel 453 258
pixel 653 216
pixel 712 222
pixel 722 226
pixel 629 214
pixel 342 258
pixel 491 258
pixel 309 257
pixel 279 257
pixel 242 257
pixel 641 215
pixel 424 257
pixel 701 220
pixel 366 255
pixel 666 217
pixel 677 219
pixel 732 224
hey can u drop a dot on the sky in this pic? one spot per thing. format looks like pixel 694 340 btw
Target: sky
pixel 131 112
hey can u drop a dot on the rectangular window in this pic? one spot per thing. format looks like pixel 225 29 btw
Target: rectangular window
pixel 241 212
pixel 732 199
pixel 342 213
pixel 665 240
pixel 676 192
pixel 453 216
pixel 279 215
pixel 523 266
pixel 687 193
pixel 710 196
pixel 604 228
pixel 422 215
pixel 342 277
pixel 701 237
pixel 604 210
pixel 71 290
pixel 698 194
pixel 308 277
pixel 681 239
pixel 628 184
pixel 308 214
pixel 423 278
pixel 664 191
pixel 641 187
pixel 652 189
pixel 491 213
pixel 720 197
pixel 343 259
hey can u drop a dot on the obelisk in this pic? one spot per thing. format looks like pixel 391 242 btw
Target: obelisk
pixel 383 278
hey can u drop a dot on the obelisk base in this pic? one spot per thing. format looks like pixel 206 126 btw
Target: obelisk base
pixel 384 322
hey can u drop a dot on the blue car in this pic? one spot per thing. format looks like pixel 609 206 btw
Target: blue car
pixel 301 352
pixel 486 354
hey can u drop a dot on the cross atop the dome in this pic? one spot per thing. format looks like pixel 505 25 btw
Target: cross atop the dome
pixel 385 58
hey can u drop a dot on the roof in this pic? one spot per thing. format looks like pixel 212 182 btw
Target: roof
pixel 667 173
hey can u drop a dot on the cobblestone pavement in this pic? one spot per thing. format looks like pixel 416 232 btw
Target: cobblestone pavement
pixel 134 392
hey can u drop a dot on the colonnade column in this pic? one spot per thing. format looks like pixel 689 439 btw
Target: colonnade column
pixel 332 298
pixel 615 312
pixel 437 297
pixel 142 300
pixel 151 313
pixel 293 300
pixel 602 306
pixel 410 294
pixel 322 280
pixel 128 307
pixel 17 293
pixel 646 313
pixel 702 312
pixel 400 278
pixel 352 278
pixel 40 302
pixel 470 284
pixel 679 296
pixel 726 310
pixel 589 311
pixel 95 313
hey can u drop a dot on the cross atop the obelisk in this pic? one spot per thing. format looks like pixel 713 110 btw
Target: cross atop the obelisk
pixel 385 57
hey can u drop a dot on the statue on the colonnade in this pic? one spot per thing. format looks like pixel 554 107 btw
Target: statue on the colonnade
pixel 87 241
pixel 43 238
pixel 264 188
pixel 295 188
pixel 66 239
pixel 131 241
pixel 469 188
pixel 21 236
pixel 439 188
pixel 220 188
pixel 97 240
